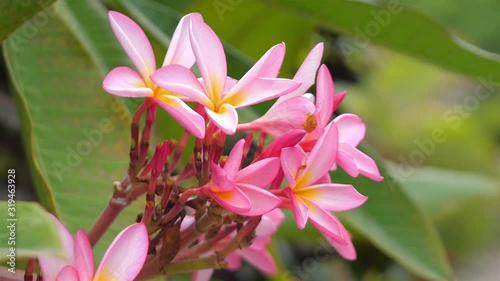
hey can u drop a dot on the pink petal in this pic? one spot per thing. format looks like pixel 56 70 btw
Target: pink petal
pixel 322 157
pixel 337 100
pixel 347 161
pixel 347 251
pixel 51 266
pixel 365 165
pixel 333 197
pixel 202 275
pixel 182 113
pixel 259 90
pixel 270 223
pixel 68 273
pixel 351 129
pixel 260 173
pixel 261 260
pixel 267 66
pixel 180 80
pixel 179 51
pixel 326 223
pixel 291 161
pixel 125 256
pixel 233 163
pixel 125 82
pixel 262 200
pixel 306 73
pixel 288 139
pixel 324 95
pixel 234 261
pixel 210 57
pixel 84 258
pixel 234 200
pixel 134 42
pixel 225 118
pixel 220 179
pixel 299 208
pixel 287 116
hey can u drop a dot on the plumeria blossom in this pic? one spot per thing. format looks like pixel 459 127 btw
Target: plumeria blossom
pixel 220 95
pixel 312 196
pixel 350 127
pixel 256 254
pixel 242 191
pixel 291 111
pixel 126 82
pixel 122 261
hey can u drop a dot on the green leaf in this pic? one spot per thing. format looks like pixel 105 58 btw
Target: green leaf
pixel 29 230
pixel 15 13
pixel 75 134
pixel 397 226
pixel 455 200
pixel 397 27
pixel 442 193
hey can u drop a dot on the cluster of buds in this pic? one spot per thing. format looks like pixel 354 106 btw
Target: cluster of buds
pixel 217 209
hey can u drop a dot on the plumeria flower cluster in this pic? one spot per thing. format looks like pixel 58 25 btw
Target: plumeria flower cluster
pixel 225 203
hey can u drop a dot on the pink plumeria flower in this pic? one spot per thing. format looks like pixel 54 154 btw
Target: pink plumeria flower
pixel 351 130
pixel 220 95
pixel 242 191
pixel 256 254
pixel 126 82
pixel 312 196
pixel 291 111
pixel 122 261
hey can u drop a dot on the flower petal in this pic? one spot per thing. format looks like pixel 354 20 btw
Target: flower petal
pixel 262 200
pixel 365 165
pixel 326 223
pixel 220 179
pixel 270 223
pixel 233 261
pixel 288 115
pixel 259 90
pixel 68 273
pixel 306 73
pixel 260 173
pixel 125 256
pixel 202 275
pixel 324 95
pixel 125 82
pixel 291 161
pixel 299 208
pixel 333 197
pixel 180 51
pixel 84 258
pixel 260 259
pixel 322 157
pixel 225 118
pixel 267 66
pixel 51 266
pixel 234 200
pixel 210 57
pixel 180 80
pixel 233 163
pixel 182 113
pixel 351 129
pixel 134 42
pixel 346 161
pixel 347 251
pixel 288 139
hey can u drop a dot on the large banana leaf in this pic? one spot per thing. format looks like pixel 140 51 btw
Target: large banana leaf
pixel 75 135
pixel 399 28
pixel 15 13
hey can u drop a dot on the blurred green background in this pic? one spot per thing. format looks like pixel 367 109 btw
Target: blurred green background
pixel 432 114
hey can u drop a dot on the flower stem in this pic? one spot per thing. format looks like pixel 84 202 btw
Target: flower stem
pixel 116 204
